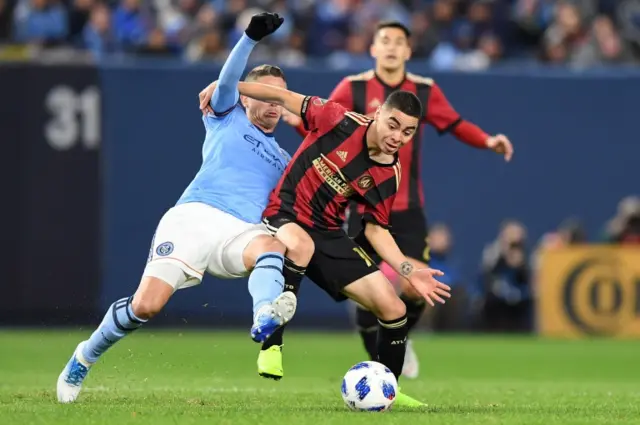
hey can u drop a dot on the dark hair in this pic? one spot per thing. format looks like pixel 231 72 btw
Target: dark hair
pixel 264 71
pixel 393 24
pixel 405 102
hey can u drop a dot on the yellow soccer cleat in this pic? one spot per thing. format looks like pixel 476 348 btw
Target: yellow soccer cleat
pixel 270 363
pixel 403 400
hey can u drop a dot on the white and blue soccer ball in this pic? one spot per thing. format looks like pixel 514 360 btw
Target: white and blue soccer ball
pixel 369 386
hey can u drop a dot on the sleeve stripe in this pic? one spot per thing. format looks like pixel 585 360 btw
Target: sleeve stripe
pixel 450 127
pixel 303 112
pixel 370 218
pixel 223 113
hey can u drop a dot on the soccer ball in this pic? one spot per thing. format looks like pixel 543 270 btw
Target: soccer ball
pixel 369 386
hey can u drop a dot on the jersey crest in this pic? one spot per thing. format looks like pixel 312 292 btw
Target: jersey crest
pixel 365 182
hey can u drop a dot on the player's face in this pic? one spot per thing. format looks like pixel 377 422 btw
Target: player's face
pixel 264 114
pixel 395 129
pixel 390 48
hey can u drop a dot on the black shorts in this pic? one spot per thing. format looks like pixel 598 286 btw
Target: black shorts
pixel 409 229
pixel 337 260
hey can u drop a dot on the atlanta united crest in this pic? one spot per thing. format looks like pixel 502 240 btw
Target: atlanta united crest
pixel 365 182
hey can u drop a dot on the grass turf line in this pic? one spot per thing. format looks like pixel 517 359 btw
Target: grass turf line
pixel 191 377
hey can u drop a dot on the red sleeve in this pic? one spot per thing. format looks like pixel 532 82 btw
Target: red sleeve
pixel 300 129
pixel 342 94
pixel 320 114
pixel 440 113
pixel 444 118
pixel 471 134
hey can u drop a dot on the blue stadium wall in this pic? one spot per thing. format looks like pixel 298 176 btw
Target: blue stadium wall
pixel 576 145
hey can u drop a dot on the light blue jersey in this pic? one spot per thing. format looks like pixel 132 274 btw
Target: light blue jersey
pixel 240 167
pixel 241 164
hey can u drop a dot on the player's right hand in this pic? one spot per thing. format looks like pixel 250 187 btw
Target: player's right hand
pixel 262 25
pixel 502 145
pixel 205 98
pixel 425 283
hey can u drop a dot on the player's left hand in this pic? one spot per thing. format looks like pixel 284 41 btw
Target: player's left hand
pixel 292 119
pixel 425 283
pixel 262 25
pixel 502 145
pixel 205 98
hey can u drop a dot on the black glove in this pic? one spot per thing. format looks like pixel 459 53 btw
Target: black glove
pixel 262 25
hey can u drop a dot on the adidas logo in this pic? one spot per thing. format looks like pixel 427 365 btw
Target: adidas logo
pixel 342 155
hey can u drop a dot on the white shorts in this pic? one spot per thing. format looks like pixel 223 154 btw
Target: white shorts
pixel 197 238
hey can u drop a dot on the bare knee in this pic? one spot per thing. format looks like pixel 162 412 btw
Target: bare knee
pixel 258 246
pixel 300 246
pixel 374 293
pixel 391 308
pixel 269 244
pixel 150 298
pixel 274 245
pixel 301 250
pixel 145 308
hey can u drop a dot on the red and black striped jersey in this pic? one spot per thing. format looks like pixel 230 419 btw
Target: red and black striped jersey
pixel 364 92
pixel 332 167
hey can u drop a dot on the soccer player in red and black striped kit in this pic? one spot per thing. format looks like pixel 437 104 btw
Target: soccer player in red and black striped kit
pixel 349 157
pixel 363 93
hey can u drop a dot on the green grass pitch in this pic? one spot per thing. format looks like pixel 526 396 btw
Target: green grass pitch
pixel 191 377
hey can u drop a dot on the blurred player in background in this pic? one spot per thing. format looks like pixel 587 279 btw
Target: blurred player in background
pixel 216 224
pixel 363 93
pixel 349 157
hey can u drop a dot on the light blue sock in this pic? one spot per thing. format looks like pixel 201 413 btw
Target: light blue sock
pixel 266 281
pixel 117 323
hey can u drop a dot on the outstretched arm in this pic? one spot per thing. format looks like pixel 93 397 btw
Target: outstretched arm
pixel 316 113
pixel 290 100
pixel 341 94
pixel 387 248
pixel 225 96
pixel 423 281
pixel 445 119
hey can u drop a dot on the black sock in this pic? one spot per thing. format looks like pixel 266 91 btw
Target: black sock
pixel 367 324
pixel 392 343
pixel 415 308
pixel 293 275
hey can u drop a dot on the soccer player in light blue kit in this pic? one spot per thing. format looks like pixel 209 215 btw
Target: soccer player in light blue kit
pixel 216 224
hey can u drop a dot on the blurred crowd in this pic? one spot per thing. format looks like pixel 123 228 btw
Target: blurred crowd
pixel 501 296
pixel 447 34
